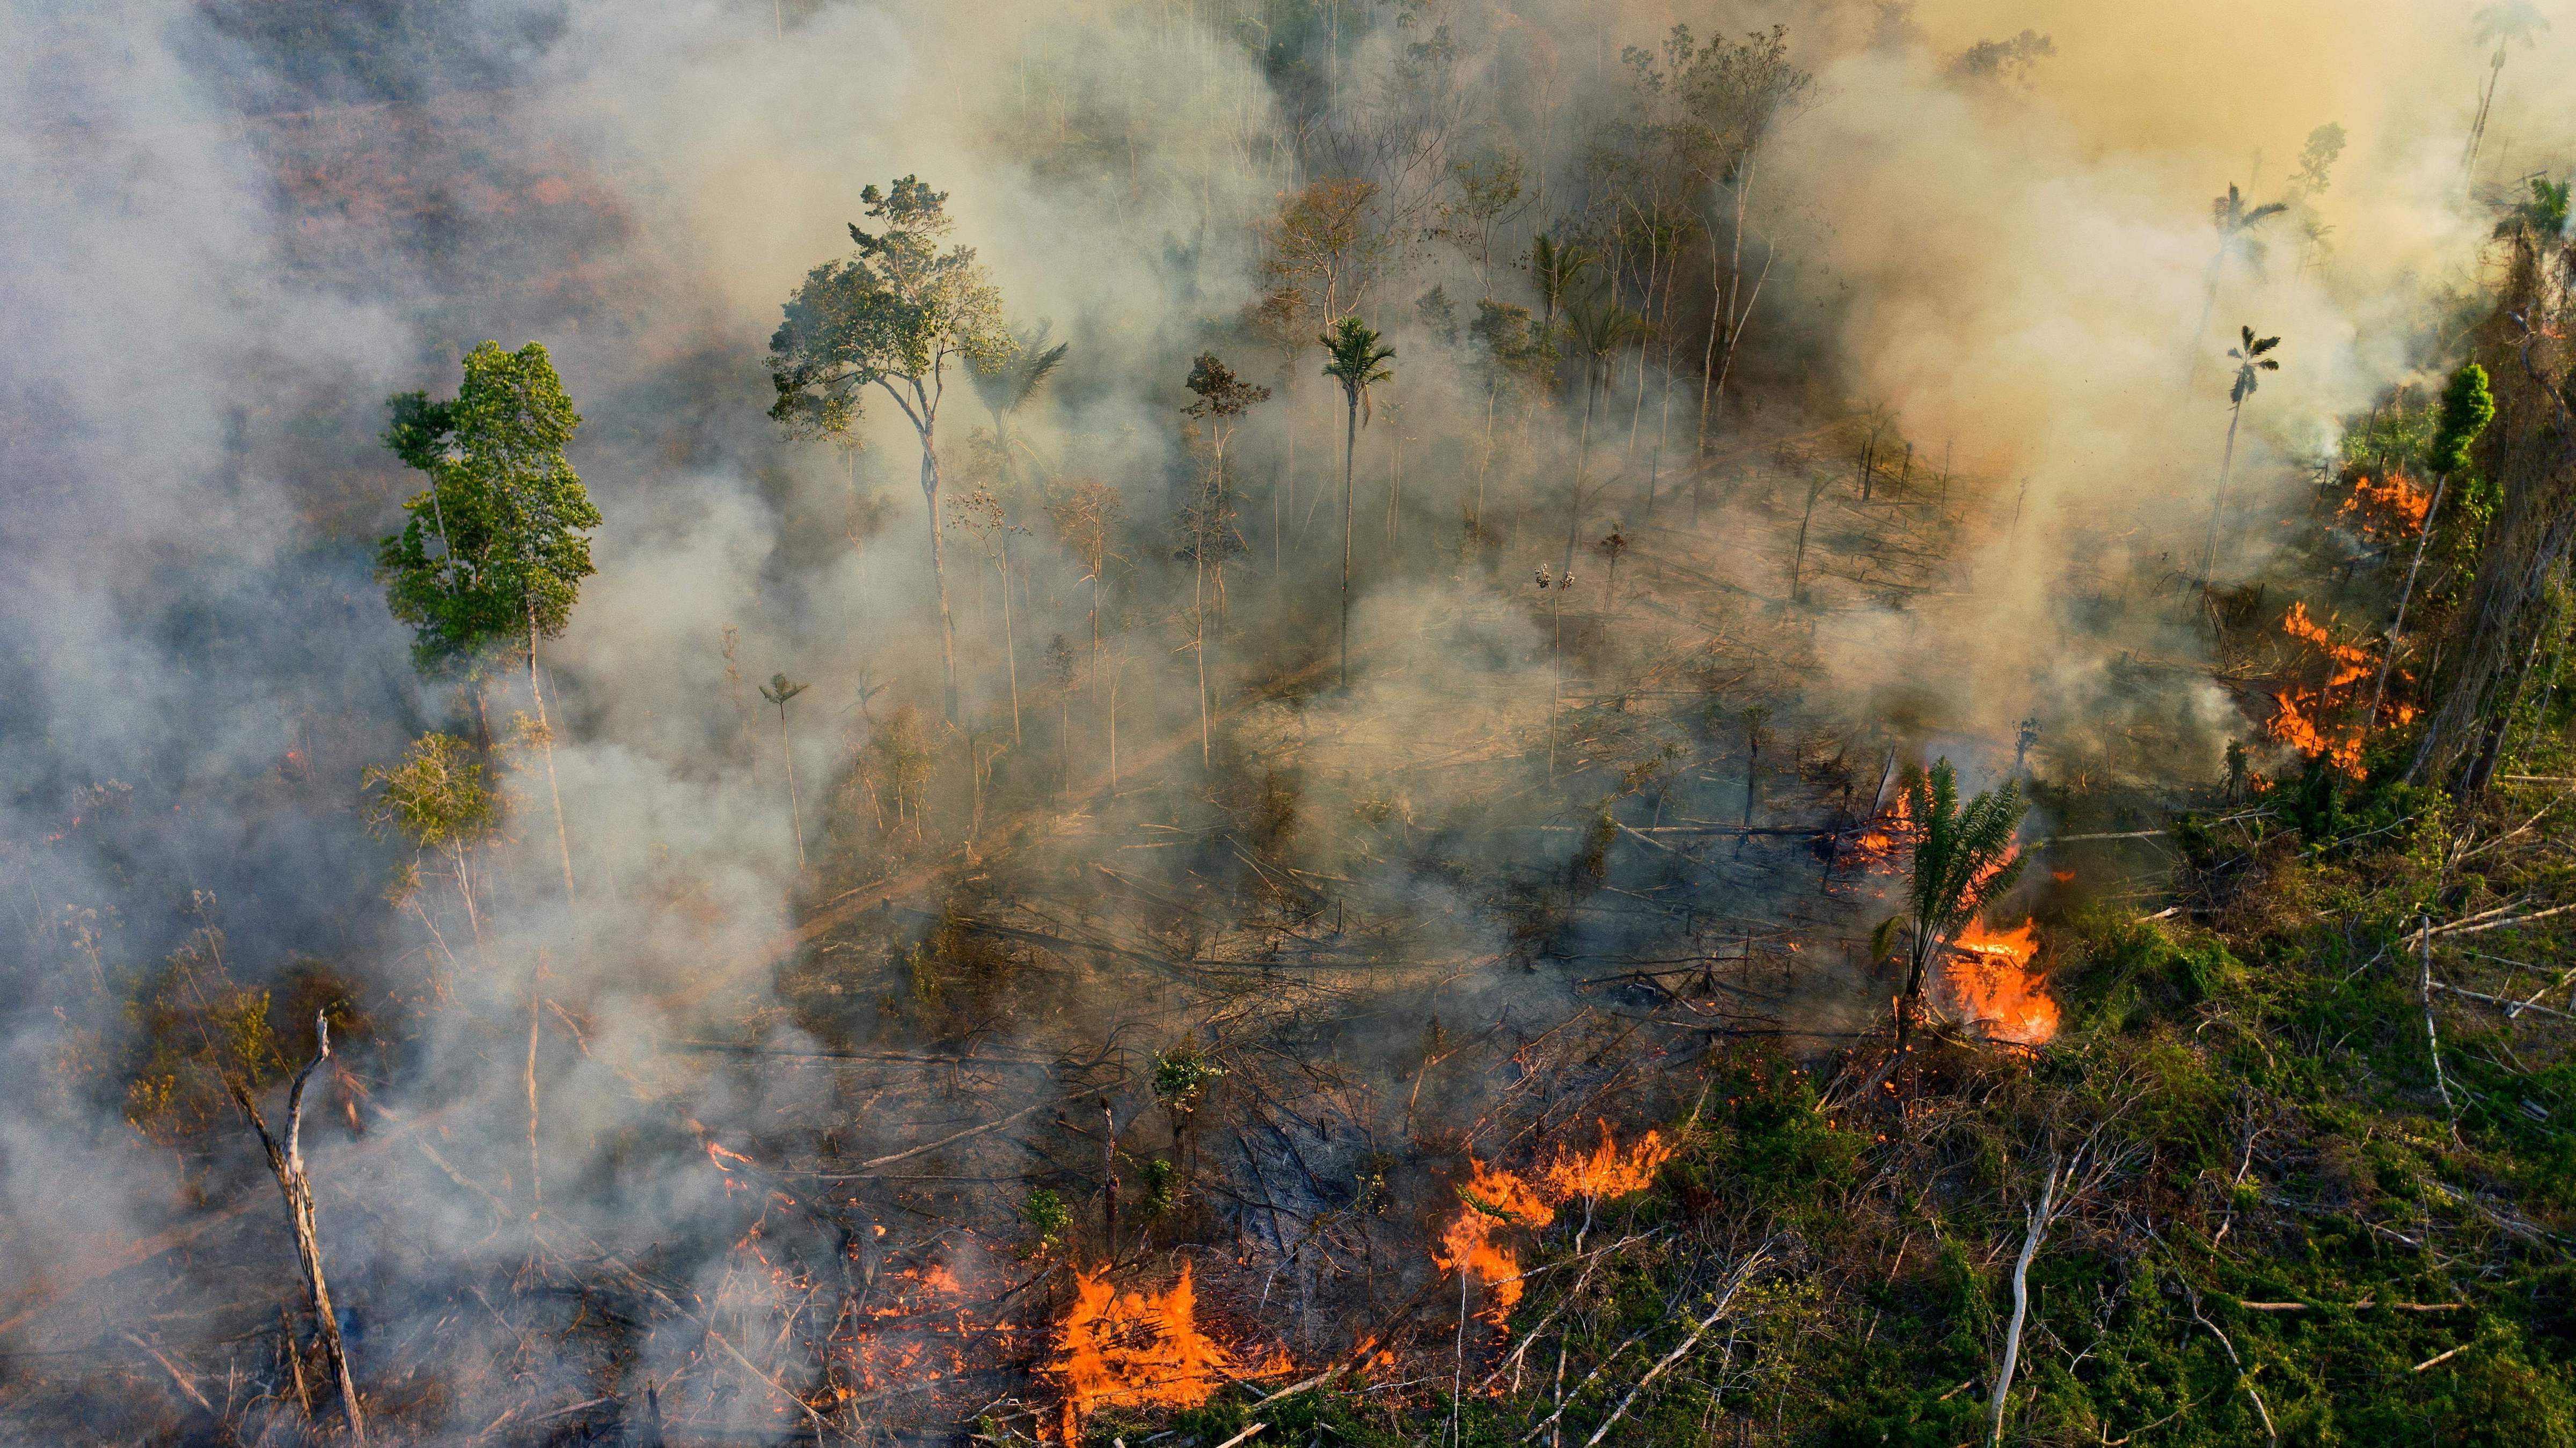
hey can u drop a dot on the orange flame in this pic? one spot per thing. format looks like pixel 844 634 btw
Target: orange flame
pixel 1135 1349
pixel 1989 981
pixel 1491 1201
pixel 2392 508
pixel 1606 1172
pixel 2298 719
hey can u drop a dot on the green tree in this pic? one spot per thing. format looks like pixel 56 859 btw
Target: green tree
pixel 437 798
pixel 492 554
pixel 1007 385
pixel 2250 364
pixel 2467 407
pixel 894 316
pixel 1355 358
pixel 1963 860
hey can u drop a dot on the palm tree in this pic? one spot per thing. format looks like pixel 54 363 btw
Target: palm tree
pixel 2249 361
pixel 1963 860
pixel 1554 270
pixel 1007 383
pixel 2236 224
pixel 778 691
pixel 2502 24
pixel 1356 359
pixel 1601 327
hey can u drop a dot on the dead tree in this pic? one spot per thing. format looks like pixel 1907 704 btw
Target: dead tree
pixel 287 1162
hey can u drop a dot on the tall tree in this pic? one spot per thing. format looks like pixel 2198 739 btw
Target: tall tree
pixel 1737 95
pixel 1086 521
pixel 1601 327
pixel 2250 364
pixel 982 514
pixel 1356 359
pixel 1963 860
pixel 893 315
pixel 2240 238
pixel 1208 526
pixel 778 691
pixel 2501 24
pixel 492 554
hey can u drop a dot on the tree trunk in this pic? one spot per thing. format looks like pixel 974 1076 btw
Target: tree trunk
pixel 1582 459
pixel 2218 509
pixel 939 575
pixel 1350 452
pixel 2388 653
pixel 286 1162
pixel 563 841
pixel 795 809
pixel 1010 638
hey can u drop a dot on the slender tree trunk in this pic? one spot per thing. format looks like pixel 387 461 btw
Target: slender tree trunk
pixel 795 809
pixel 536 1175
pixel 1582 459
pixel 1350 452
pixel 2038 1229
pixel 2388 654
pixel 1010 637
pixel 939 575
pixel 2218 509
pixel 563 840
pixel 1198 628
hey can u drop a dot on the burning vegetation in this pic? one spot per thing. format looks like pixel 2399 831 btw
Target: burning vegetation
pixel 1974 912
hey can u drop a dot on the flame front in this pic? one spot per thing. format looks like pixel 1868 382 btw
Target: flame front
pixel 2299 721
pixel 1140 1349
pixel 1606 1171
pixel 1494 1200
pixel 2393 507
pixel 1990 983
pixel 1491 1201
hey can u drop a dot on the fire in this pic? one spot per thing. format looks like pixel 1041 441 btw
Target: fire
pixel 1135 1349
pixel 1493 1200
pixel 2391 508
pixel 2299 720
pixel 1989 981
pixel 1888 834
pixel 1606 1172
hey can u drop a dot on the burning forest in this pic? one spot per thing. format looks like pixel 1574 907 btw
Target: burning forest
pixel 1287 722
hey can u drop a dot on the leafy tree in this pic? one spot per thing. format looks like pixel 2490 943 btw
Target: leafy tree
pixel 493 552
pixel 1356 359
pixel 893 315
pixel 1963 860
pixel 1489 193
pixel 1326 244
pixel 2467 407
pixel 2545 214
pixel 2004 60
pixel 437 799
pixel 2250 364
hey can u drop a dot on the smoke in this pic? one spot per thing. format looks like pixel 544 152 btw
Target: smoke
pixel 230 240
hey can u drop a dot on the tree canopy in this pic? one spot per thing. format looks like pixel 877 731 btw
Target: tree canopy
pixel 493 551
